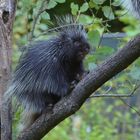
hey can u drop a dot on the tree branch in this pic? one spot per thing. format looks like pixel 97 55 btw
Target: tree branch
pixel 95 79
pixel 115 95
pixel 131 107
pixel 40 11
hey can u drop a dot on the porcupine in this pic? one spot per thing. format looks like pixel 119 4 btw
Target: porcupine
pixel 47 70
pixel 133 6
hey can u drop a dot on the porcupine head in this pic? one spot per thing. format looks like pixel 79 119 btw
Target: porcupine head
pixel 47 69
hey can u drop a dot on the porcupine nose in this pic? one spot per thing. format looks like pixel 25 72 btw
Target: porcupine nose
pixel 83 53
pixel 87 50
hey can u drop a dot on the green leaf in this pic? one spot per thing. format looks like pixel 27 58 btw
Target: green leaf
pixel 45 16
pixel 94 38
pixel 92 66
pixel 74 8
pixel 51 4
pixel 116 3
pixel 84 7
pixel 43 26
pixel 85 19
pixel 26 5
pixel 60 1
pixel 135 73
pixel 108 13
pixel 99 1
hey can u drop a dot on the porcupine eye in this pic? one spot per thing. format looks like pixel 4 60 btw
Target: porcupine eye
pixel 82 47
pixel 77 43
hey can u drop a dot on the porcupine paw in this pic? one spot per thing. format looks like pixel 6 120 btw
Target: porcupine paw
pixel 73 84
pixel 48 108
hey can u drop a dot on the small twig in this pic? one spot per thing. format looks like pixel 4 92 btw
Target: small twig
pixel 40 11
pixel 115 95
pixel 115 18
pixel 110 95
pixel 129 106
pixel 101 38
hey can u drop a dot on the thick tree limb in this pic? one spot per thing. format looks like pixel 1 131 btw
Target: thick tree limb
pixel 95 79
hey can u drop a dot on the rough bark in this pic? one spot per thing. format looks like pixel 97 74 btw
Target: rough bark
pixel 7 12
pixel 95 79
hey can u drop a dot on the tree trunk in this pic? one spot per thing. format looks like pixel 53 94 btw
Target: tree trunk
pixel 7 12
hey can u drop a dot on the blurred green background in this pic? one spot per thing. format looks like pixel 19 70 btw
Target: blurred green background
pixel 103 118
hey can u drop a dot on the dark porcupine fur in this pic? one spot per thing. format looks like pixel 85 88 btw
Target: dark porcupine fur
pixel 46 71
pixel 133 6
